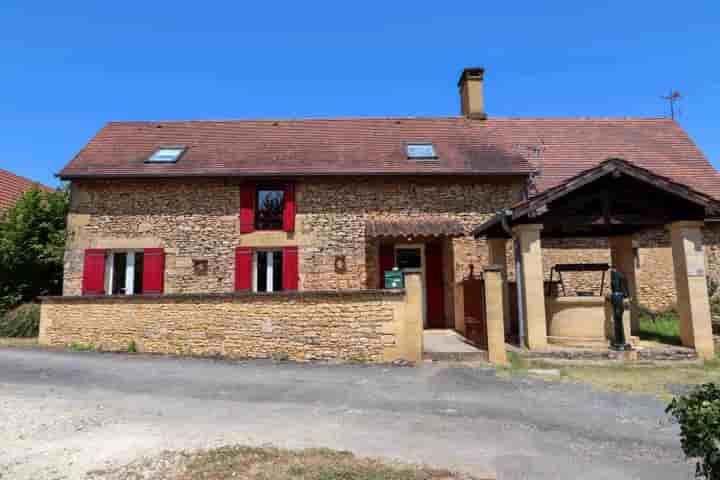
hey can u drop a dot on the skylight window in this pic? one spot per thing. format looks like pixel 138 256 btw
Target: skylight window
pixel 166 155
pixel 421 151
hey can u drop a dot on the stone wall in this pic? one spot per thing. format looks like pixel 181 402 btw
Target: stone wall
pixel 653 263
pixel 362 325
pixel 198 220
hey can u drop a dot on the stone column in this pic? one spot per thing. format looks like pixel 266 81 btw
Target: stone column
pixel 497 255
pixel 691 287
pixel 533 287
pixel 494 312
pixel 623 258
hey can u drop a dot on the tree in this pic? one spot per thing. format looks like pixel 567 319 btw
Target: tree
pixel 32 243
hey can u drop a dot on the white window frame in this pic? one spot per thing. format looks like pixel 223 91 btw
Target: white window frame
pixel 129 271
pixel 269 269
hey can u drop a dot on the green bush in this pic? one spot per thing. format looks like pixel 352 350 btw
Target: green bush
pixel 698 414
pixel 23 321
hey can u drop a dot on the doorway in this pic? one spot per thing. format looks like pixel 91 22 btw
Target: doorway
pixel 426 259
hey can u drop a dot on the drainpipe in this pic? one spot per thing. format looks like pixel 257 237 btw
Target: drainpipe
pixel 519 286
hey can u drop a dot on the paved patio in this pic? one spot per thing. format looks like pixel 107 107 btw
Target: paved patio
pixel 442 345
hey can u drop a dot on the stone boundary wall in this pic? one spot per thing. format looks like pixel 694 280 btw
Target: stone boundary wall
pixel 363 325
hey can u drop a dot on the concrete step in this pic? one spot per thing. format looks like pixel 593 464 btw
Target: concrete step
pixel 479 356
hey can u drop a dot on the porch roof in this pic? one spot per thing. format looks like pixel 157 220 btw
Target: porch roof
pixel 415 227
pixel 614 198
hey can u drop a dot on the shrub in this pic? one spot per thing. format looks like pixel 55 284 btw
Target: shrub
pixel 22 321
pixel 132 346
pixel 698 414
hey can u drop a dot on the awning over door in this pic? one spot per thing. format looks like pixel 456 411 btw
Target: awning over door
pixel 415 227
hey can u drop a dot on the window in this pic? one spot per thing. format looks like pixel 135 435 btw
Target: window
pixel 268 271
pixel 124 272
pixel 166 155
pixel 269 207
pixel 409 258
pixel 421 151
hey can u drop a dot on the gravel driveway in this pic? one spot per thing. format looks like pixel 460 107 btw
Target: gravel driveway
pixel 64 414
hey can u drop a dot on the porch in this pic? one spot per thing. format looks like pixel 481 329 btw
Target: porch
pixel 614 200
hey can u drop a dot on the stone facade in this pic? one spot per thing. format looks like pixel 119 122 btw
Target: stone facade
pixel 198 220
pixel 361 325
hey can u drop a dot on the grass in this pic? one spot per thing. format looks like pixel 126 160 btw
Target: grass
pixel 18 342
pixel 248 463
pixel 657 379
pixel 663 327
pixel 81 347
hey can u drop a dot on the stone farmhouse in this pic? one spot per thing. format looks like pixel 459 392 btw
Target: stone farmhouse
pixel 272 237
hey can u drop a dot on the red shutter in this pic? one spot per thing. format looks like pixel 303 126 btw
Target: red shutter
pixel 289 208
pixel 387 262
pixel 243 268
pixel 93 282
pixel 247 208
pixel 153 270
pixel 290 268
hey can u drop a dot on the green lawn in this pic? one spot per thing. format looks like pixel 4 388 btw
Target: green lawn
pixel 663 327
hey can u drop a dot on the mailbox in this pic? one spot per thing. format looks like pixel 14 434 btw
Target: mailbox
pixel 394 279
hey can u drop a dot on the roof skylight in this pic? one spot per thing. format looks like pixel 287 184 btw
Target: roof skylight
pixel 421 151
pixel 166 155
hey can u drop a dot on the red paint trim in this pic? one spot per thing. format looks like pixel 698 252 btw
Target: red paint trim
pixel 387 262
pixel 153 270
pixel 290 274
pixel 93 282
pixel 289 208
pixel 243 268
pixel 247 207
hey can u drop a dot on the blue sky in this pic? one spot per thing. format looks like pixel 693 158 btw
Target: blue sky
pixel 68 67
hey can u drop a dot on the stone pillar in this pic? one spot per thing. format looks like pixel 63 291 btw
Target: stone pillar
pixel 494 313
pixel 412 332
pixel 623 258
pixel 533 286
pixel 497 255
pixel 691 287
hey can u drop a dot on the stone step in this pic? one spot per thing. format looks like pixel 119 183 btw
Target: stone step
pixel 479 356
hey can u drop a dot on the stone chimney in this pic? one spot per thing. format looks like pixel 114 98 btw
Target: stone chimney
pixel 472 102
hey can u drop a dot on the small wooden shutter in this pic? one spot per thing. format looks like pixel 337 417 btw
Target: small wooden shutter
pixel 93 282
pixel 243 268
pixel 247 208
pixel 387 262
pixel 289 208
pixel 290 272
pixel 153 270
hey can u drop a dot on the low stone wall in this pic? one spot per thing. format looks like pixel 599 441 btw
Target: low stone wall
pixel 367 325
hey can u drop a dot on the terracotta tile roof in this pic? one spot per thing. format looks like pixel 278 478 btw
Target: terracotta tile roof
pixel 293 147
pixel 414 226
pixel 560 148
pixel 11 186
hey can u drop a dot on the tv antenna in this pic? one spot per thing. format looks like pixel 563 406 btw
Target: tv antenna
pixel 672 99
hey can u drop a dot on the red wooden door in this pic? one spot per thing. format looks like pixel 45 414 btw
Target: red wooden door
pixel 434 286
